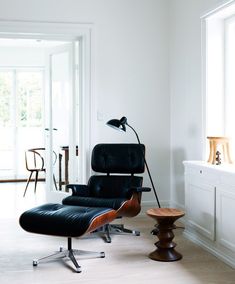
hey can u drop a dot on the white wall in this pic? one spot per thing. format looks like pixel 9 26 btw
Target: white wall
pixel 130 68
pixel 187 136
pixel 132 46
pixel 21 57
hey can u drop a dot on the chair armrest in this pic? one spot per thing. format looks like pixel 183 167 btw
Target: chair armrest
pixel 141 189
pixel 79 189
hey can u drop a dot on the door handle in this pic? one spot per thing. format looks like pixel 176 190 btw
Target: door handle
pixel 47 129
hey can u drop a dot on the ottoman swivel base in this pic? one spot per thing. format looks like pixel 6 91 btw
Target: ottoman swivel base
pixel 66 221
pixel 70 253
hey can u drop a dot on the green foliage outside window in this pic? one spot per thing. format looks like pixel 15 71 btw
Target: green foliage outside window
pixel 30 99
pixel 27 100
pixel 5 98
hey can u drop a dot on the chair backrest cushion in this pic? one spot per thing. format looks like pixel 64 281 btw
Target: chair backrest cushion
pixel 118 158
pixel 113 186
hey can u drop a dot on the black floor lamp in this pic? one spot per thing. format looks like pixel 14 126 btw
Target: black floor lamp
pixel 120 124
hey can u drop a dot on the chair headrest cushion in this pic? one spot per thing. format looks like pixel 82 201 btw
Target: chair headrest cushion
pixel 118 158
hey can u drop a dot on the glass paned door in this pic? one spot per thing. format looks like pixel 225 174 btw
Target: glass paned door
pixel 6 125
pixel 60 125
pixel 21 119
pixel 29 119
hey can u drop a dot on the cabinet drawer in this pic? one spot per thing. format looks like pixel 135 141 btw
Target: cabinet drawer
pixel 200 208
pixel 202 173
pixel 225 218
pixel 228 179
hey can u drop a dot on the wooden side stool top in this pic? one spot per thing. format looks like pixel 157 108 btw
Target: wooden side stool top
pixel 163 213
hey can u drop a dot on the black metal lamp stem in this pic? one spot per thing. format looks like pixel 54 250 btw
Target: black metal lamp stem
pixel 154 190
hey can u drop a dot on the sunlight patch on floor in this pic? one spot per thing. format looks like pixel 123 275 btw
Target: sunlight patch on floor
pixel 12 202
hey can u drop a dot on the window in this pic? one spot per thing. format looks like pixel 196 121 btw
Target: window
pixel 219 72
pixel 21 117
pixel 6 80
pixel 29 90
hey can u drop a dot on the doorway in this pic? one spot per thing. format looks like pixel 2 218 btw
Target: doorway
pixel 80 36
pixel 27 110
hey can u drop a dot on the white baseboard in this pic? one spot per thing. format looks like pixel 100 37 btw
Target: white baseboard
pixel 209 248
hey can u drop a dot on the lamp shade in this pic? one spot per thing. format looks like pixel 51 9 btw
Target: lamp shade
pixel 118 124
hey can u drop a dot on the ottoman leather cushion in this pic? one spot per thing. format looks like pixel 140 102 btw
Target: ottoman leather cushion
pixel 60 220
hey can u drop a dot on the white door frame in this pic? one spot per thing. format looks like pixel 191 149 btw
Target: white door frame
pixel 66 31
pixel 68 49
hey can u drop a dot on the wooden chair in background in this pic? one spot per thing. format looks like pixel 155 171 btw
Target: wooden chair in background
pixel 35 162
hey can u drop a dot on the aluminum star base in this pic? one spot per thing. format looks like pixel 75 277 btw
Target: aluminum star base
pixel 70 253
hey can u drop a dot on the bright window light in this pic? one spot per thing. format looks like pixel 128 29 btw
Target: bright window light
pixel 220 70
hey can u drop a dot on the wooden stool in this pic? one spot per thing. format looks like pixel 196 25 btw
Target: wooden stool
pixel 165 218
pixel 223 143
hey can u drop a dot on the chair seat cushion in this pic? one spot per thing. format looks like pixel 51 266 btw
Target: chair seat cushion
pixel 61 220
pixel 114 203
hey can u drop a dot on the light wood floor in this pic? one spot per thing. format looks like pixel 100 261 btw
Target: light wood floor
pixel 126 258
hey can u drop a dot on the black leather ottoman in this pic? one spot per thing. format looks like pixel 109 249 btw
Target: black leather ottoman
pixel 66 221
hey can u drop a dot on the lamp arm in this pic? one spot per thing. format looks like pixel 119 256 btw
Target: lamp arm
pixel 138 139
pixel 154 190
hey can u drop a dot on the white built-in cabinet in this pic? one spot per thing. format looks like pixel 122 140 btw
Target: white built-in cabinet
pixel 210 207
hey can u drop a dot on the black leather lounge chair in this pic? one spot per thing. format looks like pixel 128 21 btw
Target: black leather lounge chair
pixel 95 205
pixel 118 189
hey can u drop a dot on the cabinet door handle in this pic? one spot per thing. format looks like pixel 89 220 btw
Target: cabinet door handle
pixel 200 171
